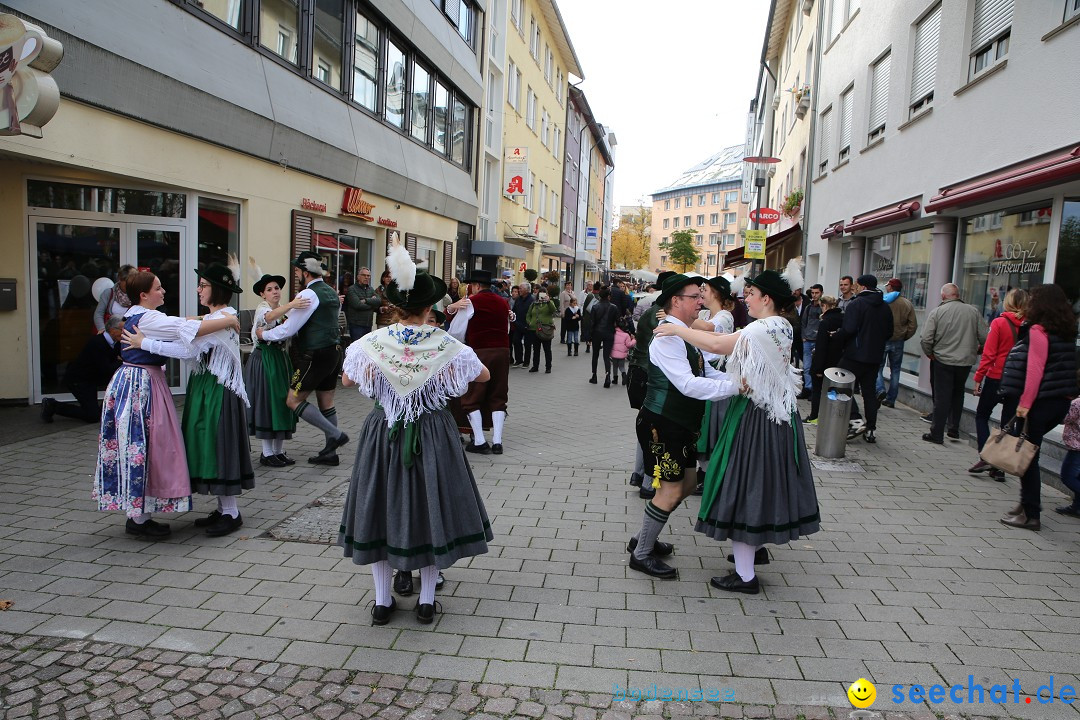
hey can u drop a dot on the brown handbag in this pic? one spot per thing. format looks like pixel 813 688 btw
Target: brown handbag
pixel 1007 452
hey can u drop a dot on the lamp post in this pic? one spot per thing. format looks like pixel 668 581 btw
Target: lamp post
pixel 760 163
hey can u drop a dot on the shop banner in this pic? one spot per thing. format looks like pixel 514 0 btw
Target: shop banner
pixel 516 168
pixel 755 244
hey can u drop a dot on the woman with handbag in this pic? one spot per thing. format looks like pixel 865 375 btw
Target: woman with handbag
pixel 1038 381
pixel 541 320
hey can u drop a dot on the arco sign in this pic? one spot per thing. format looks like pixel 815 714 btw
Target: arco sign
pixel 765 216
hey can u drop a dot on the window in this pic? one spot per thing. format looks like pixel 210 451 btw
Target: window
pixel 442 114
pixel 990 29
pixel 554 207
pixel 847 101
pixel 366 63
pixel 677 201
pixel 667 204
pixel 285 16
pixel 730 218
pixel 712 256
pixel 229 13
pixel 686 221
pixel 700 200
pixel 516 8
pixel 421 102
pixel 534 39
pixel 545 128
pixel 714 238
pixel 666 222
pixel 459 131
pixel 879 97
pixel 675 222
pixel 465 20
pixel 698 240
pixel 556 140
pixel 700 220
pixel 1072 8
pixel 842 11
pixel 823 140
pixel 924 62
pixel 716 198
pixel 663 258
pixel 329 42
pixel 512 84
pixel 714 219
pixel 549 64
pixel 543 199
pixel 689 201
pixel 395 85
pixel 560 81
pixel 731 197
pixel 530 109
pixel 532 187
pixel 729 240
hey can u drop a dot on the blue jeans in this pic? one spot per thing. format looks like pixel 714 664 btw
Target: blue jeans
pixel 572 337
pixel 358 331
pixel 1070 475
pixel 807 354
pixel 894 356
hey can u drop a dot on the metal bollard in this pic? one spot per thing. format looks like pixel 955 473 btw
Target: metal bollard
pixel 834 413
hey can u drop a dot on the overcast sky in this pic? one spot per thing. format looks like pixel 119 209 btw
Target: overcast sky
pixel 673 80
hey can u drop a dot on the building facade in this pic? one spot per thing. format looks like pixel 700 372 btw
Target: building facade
pixel 587 186
pixel 190 133
pixel 706 199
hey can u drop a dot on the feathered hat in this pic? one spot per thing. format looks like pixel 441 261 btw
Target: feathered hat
pixel 411 288
pixel 221 276
pixel 793 273
pixel 311 262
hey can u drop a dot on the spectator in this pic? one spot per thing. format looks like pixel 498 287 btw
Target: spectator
pixel 904 326
pixel 114 300
pixel 591 298
pixel 1070 466
pixel 868 325
pixel 827 351
pixel 954 333
pixel 809 319
pixel 571 320
pixel 541 322
pixel 565 297
pixel 361 302
pixel 386 313
pixel 453 289
pixel 621 348
pixel 92 369
pixel 604 316
pixel 847 294
pixel 521 337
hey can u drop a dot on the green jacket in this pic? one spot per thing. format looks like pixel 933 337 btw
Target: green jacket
pixel 360 303
pixel 541 313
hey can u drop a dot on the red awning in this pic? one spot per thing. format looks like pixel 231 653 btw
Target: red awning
pixel 834 230
pixel 736 257
pixel 224 220
pixel 891 214
pixel 1065 166
pixel 322 240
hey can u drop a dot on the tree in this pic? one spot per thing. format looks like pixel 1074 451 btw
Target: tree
pixel 630 241
pixel 681 249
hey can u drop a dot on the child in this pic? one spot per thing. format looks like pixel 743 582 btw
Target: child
pixel 572 326
pixel 624 340
pixel 1070 467
pixel 266 377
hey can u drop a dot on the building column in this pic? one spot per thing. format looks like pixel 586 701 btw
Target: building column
pixel 857 256
pixel 942 259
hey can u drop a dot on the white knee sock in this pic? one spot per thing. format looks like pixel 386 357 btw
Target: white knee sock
pixel 228 505
pixel 428 577
pixel 476 422
pixel 498 418
pixel 268 448
pixel 744 559
pixel 279 446
pixel 383 575
pixel 140 519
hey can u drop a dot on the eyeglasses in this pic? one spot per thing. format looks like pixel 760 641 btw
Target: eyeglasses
pixel 696 297
pixel 203 285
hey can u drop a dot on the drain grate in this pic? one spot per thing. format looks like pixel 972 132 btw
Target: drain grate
pixel 316 523
pixel 836 467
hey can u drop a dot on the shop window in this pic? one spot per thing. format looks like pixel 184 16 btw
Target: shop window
pixel 882 250
pixel 366 63
pixel 395 85
pixel 912 262
pixel 328 45
pixel 279 22
pixel 95 198
pixel 219 234
pixel 1068 254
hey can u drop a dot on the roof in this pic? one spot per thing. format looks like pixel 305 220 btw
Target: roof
pixel 577 97
pixel 724 166
pixel 561 37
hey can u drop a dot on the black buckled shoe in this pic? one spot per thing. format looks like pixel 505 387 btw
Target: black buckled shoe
pixel 931 439
pixel 332 459
pixel 285 459
pixel 150 529
pixel 496 449
pixel 380 614
pixel 208 520
pixel 224 525
pixel 761 557
pixel 654 566
pixel 271 461
pixel 659 549
pixel 425 612
pixel 403 583
pixel 484 449
pixel 734 583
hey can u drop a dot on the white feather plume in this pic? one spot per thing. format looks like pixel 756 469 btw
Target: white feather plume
pixel 313 266
pixel 737 285
pixel 793 273
pixel 234 268
pixel 256 271
pixel 400 264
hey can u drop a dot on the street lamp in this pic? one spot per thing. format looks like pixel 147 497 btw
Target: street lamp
pixel 760 163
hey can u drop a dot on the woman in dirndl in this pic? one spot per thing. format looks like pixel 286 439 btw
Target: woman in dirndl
pixel 215 412
pixel 266 377
pixel 716 296
pixel 141 466
pixel 759 488
pixel 412 501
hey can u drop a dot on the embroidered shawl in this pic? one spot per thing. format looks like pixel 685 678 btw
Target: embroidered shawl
pixel 410 370
pixel 259 321
pixel 224 361
pixel 761 361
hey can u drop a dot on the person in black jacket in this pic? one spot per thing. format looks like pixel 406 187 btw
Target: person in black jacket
pixel 521 337
pixel 92 369
pixel 604 316
pixel 827 351
pixel 868 325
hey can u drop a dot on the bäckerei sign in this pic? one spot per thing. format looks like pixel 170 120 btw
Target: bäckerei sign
pixel 29 97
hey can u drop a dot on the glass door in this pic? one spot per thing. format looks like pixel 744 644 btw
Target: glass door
pixel 158 249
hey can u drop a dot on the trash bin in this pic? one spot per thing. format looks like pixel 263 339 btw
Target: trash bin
pixel 836 390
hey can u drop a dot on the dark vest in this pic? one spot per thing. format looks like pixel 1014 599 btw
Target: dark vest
pixel 664 399
pixel 321 329
pixel 1059 377
pixel 639 354
pixel 138 356
pixel 489 325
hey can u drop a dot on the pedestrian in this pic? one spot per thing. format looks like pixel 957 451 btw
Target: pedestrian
pixel 522 338
pixel 91 369
pixel 868 325
pixel 114 300
pixel 1070 466
pixel 541 321
pixel 620 348
pixel 592 296
pixel 809 318
pixel 386 313
pixel 565 297
pixel 904 326
pixel 412 502
pixel 952 337
pixel 604 314
pixel 759 488
pixel 571 321
pixel 267 374
pixel 453 289
pixel 142 465
pixel 361 303
pixel 680 381
pixel 1004 330
pixel 847 293
pixel 828 350
pixel 319 340
pixel 1039 380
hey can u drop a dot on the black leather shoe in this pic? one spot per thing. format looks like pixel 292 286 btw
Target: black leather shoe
pixel 484 449
pixel 607 381
pixel 636 480
pixel 496 449
pixel 535 369
pixel 331 446
pixel 870 437
pixel 271 461
pixel 208 520
pixel 659 549
pixel 1068 510
pixel 654 566
pixel 699 489
pixel 224 525
pixel 930 439
pixel 954 434
pixel 149 529
pixel 734 583
pixel 592 380
pixel 1021 521
pixel 425 613
pixel 403 583
pixel 48 408
pixel 888 404
pixel 285 459
pixel 320 459
pixel 380 614
pixel 761 557
pixel 646 493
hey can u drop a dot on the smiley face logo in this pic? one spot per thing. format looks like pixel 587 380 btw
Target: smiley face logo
pixel 862 693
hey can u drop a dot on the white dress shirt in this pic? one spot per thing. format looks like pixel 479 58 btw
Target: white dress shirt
pixel 297 316
pixel 669 354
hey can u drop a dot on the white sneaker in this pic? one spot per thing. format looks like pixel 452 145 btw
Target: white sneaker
pixel 856 428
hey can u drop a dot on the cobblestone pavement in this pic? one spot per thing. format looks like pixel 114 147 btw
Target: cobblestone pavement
pixel 911 580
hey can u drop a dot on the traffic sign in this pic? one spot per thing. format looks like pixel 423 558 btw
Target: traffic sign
pixel 755 245
pixel 765 215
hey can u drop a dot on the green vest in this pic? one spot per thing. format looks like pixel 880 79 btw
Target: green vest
pixel 321 329
pixel 639 354
pixel 664 399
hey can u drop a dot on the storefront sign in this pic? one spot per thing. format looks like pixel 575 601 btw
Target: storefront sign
pixel 592 235
pixel 755 244
pixel 354 205
pixel 29 97
pixel 516 168
pixel 312 205
pixel 387 222
pixel 765 216
pixel 1017 257
pixel 522 266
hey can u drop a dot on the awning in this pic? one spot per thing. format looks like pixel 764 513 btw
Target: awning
pixel 772 243
pixel 834 230
pixel 558 251
pixel 224 220
pixel 328 242
pixel 885 216
pixel 1065 166
pixel 643 275
pixel 498 249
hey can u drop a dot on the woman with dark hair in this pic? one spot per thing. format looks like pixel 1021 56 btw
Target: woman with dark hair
pixel 758 487
pixel 385 314
pixel 142 466
pixel 716 294
pixel 604 316
pixel 827 351
pixel 1038 381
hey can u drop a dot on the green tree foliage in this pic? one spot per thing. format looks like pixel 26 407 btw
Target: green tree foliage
pixel 681 249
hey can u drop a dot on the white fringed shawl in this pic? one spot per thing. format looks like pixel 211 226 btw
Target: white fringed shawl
pixel 224 363
pixel 410 370
pixel 761 362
